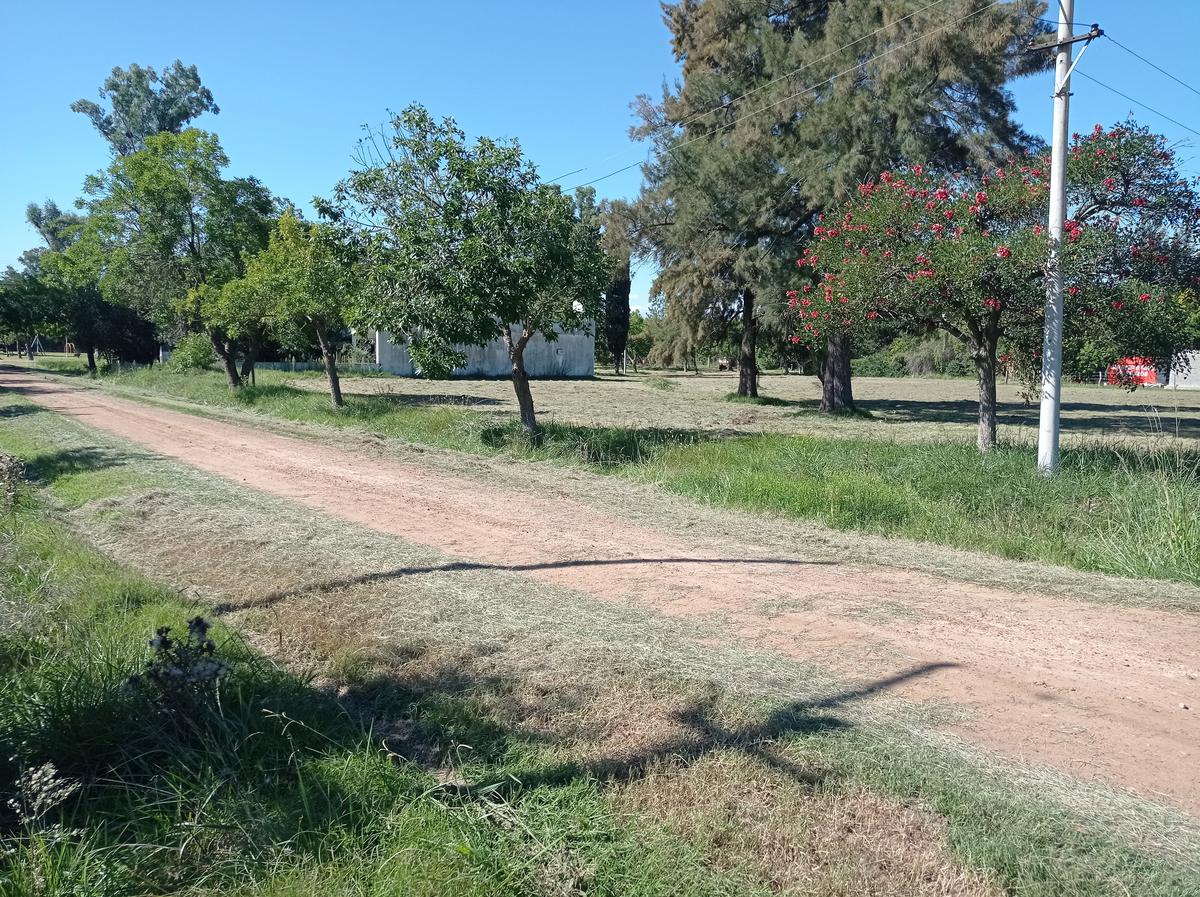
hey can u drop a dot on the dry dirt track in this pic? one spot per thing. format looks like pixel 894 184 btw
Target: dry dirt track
pixel 1097 692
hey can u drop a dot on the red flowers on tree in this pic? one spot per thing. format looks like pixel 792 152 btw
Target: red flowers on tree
pixel 982 282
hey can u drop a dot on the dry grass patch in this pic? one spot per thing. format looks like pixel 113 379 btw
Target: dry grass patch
pixel 822 839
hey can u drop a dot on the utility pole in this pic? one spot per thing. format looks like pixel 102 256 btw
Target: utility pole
pixel 1048 426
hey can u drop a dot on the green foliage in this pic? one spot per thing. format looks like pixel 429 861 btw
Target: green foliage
pixel 165 222
pixel 921 250
pixel 144 103
pixel 460 241
pixel 1127 513
pixel 193 352
pixel 917 356
pixel 743 160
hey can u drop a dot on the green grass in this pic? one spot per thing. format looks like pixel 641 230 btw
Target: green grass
pixel 1129 512
pixel 1134 514
pixel 273 790
pixel 278 792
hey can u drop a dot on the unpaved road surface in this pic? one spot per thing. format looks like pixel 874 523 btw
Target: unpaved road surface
pixel 1104 693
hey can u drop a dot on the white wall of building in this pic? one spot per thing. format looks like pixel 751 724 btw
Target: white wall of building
pixel 1188 378
pixel 571 355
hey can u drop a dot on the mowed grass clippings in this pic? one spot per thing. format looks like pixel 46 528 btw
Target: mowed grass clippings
pixel 271 789
pixel 1127 509
pixel 465 674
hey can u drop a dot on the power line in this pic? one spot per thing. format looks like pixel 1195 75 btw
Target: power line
pixel 1138 103
pixel 1153 65
pixel 691 118
pixel 804 91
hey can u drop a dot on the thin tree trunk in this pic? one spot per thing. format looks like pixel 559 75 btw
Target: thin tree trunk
pixel 331 371
pixel 520 379
pixel 837 394
pixel 91 359
pixel 985 374
pixel 748 352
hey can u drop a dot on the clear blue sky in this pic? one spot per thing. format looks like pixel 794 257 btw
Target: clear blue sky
pixel 295 81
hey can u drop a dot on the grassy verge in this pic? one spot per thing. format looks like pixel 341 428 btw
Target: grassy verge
pixel 264 785
pixel 1126 512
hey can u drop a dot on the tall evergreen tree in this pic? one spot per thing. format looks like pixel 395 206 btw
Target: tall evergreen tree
pixel 143 103
pixel 619 225
pixel 785 105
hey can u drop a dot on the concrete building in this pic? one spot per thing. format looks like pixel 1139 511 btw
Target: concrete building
pixel 1189 378
pixel 571 355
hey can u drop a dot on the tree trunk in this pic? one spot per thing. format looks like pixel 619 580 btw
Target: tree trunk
pixel 837 394
pixel 225 353
pixel 520 379
pixel 91 359
pixel 985 374
pixel 331 371
pixel 747 353
pixel 248 362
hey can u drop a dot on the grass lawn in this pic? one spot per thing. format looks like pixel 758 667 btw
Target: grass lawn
pixel 1127 508
pixel 443 754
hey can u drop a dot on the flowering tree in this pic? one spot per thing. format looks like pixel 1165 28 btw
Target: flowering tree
pixel 967 254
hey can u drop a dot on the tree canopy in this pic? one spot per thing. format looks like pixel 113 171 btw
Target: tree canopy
pixel 461 243
pixel 783 107
pixel 967 254
pixel 142 103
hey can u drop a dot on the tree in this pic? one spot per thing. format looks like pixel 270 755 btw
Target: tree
pixel 307 287
pixel 144 103
pixel 784 107
pixel 619 225
pixel 166 231
pixel 462 244
pixel 967 255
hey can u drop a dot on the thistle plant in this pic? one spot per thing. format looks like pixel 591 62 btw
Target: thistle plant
pixel 180 670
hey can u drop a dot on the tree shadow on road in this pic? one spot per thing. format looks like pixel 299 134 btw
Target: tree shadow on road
pixel 272 598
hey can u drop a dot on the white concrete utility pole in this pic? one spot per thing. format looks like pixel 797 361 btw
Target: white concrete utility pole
pixel 1052 343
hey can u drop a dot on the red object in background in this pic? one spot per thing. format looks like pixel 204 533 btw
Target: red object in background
pixel 1142 371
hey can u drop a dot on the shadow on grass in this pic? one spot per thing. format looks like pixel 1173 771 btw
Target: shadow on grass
pixel 273 598
pixel 604 446
pixel 692 731
pixel 48 468
pixel 20 410
pixel 768 401
pixel 279 761
pixel 1094 416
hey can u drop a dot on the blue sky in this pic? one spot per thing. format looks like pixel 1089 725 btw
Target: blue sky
pixel 296 81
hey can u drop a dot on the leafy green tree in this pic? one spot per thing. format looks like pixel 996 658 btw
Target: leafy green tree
pixel 967 256
pixel 461 244
pixel 166 231
pixel 784 107
pixel 307 286
pixel 143 103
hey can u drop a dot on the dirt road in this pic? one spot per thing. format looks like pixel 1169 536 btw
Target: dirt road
pixel 1098 692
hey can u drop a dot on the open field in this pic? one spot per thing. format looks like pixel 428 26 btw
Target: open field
pixel 622 749
pixel 912 408
pixel 1125 504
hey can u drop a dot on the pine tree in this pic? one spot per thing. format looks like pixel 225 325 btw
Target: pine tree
pixel 785 105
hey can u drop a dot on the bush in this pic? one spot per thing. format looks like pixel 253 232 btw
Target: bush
pixel 917 356
pixel 194 352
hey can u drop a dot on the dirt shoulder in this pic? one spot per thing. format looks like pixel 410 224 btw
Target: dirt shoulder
pixel 1095 691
